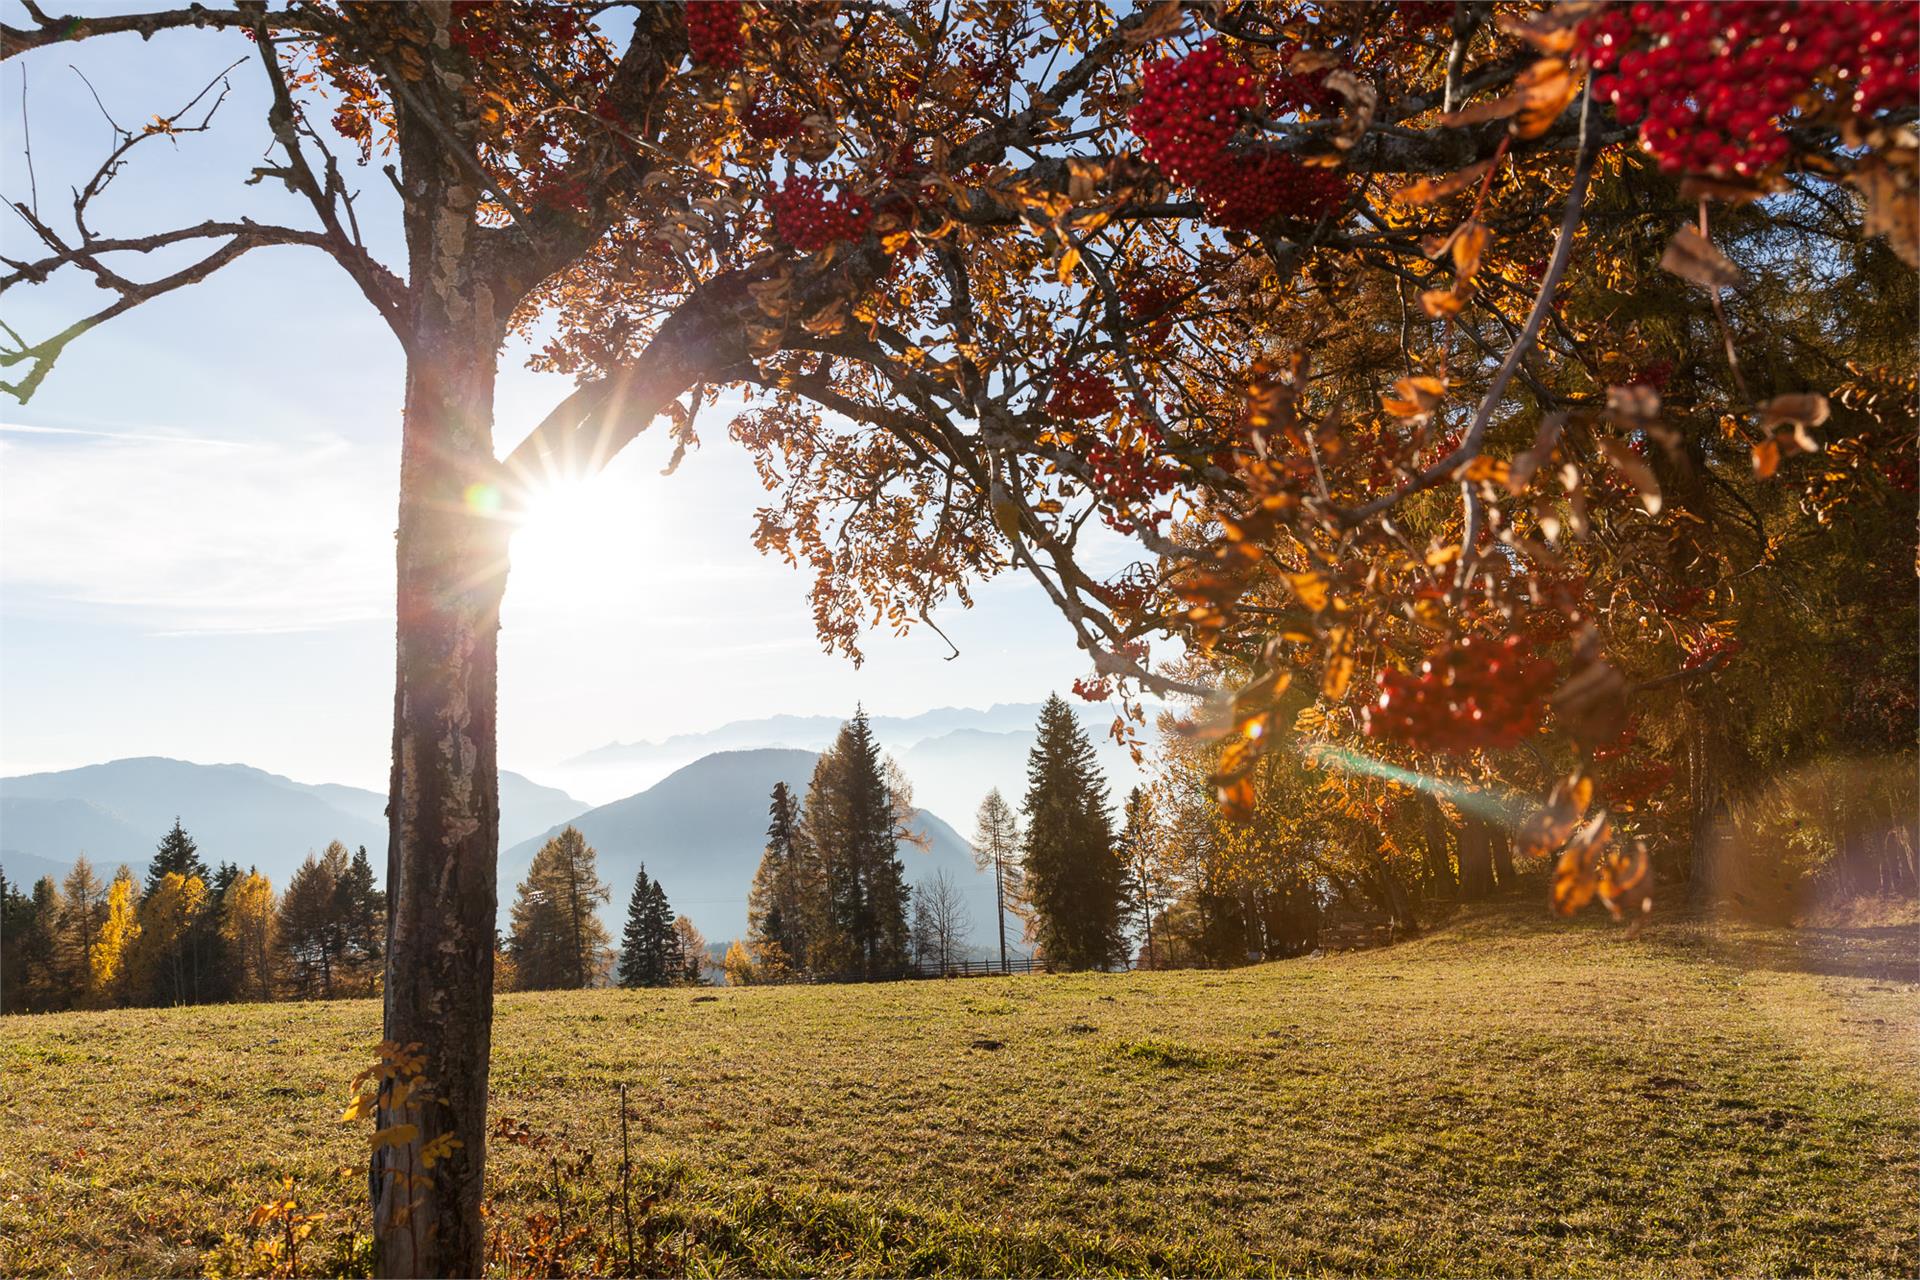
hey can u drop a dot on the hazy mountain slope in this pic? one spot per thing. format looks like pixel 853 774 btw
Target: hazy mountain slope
pixel 118 811
pixel 953 772
pixel 701 831
pixel 235 813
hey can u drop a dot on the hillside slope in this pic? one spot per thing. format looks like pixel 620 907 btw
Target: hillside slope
pixel 117 812
pixel 1509 1096
pixel 701 830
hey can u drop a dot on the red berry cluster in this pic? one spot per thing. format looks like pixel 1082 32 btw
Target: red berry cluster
pixel 1254 190
pixel 1708 646
pixel 806 219
pixel 771 122
pixel 1153 307
pixel 1708 83
pixel 1472 696
pixel 1079 394
pixel 481 28
pixel 1423 15
pixel 1288 92
pixel 1189 110
pixel 1093 688
pixel 713 33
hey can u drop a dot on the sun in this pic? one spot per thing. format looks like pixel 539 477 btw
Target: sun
pixel 571 536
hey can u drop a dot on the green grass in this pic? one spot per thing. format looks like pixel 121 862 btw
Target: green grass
pixel 1505 1096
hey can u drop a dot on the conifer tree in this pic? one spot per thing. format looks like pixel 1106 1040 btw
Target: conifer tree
pixel 558 940
pixel 311 937
pixel 1075 882
pixel 689 954
pixel 996 844
pixel 361 911
pixel 160 961
pixel 247 925
pixel 177 855
pixel 777 905
pixel 649 949
pixel 29 924
pixel 853 823
pixel 81 916
pixel 119 931
pixel 15 911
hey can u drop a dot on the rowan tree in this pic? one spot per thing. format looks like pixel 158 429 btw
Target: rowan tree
pixel 995 276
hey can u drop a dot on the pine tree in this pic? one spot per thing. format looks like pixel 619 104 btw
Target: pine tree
pixel 777 905
pixel 16 910
pixel 1075 882
pixel 190 972
pixel 996 844
pixel 558 940
pixel 649 951
pixel 852 827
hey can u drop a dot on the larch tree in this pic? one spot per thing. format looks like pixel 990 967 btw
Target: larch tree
pixel 989 272
pixel 1075 880
pixel 310 933
pixel 690 950
pixel 558 940
pixel 119 931
pixel 247 924
pixel 83 912
pixel 161 963
pixel 996 844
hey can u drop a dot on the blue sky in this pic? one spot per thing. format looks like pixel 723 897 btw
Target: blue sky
pixel 196 508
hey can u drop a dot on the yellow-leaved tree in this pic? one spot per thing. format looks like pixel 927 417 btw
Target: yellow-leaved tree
pixel 118 932
pixel 247 923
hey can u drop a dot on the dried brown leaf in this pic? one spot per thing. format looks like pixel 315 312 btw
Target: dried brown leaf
pixel 1692 256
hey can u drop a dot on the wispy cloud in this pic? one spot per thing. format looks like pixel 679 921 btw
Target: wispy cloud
pixel 179 533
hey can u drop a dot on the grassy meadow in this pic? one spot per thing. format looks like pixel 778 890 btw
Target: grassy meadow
pixel 1508 1095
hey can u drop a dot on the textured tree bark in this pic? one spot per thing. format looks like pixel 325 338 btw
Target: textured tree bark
pixel 443 806
pixel 443 810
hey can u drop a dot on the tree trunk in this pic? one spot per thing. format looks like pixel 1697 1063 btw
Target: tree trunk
pixel 1440 881
pixel 1476 861
pixel 1502 842
pixel 443 812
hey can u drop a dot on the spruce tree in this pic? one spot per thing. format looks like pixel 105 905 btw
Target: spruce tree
pixel 360 907
pixel 649 950
pixel 852 827
pixel 558 940
pixel 177 855
pixel 777 905
pixel 1075 882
